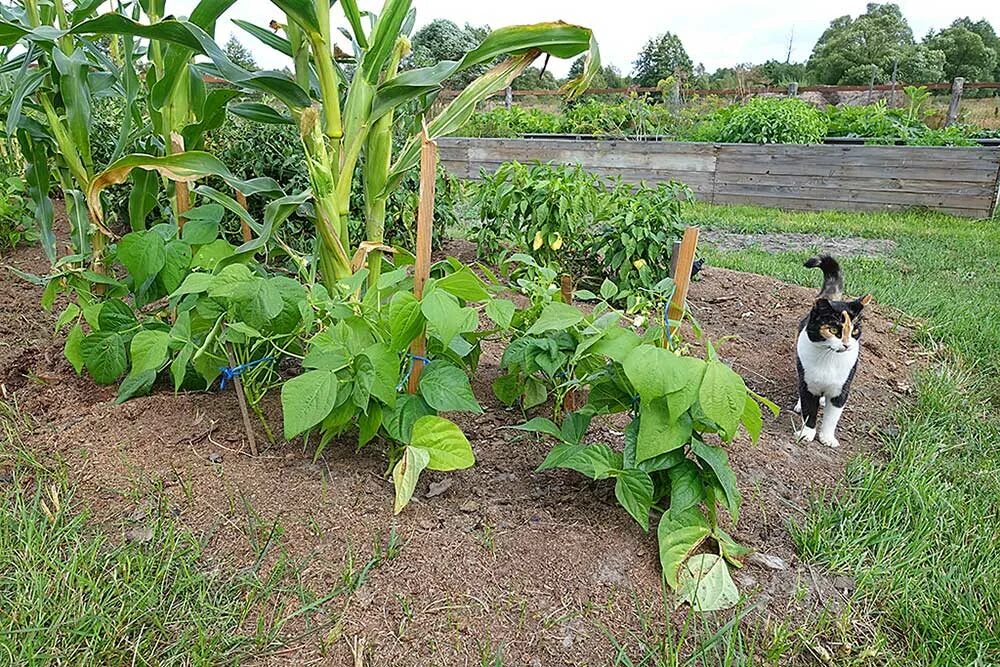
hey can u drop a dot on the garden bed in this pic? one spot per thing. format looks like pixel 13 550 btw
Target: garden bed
pixel 535 566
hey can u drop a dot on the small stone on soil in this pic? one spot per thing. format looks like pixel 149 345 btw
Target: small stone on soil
pixel 844 583
pixel 140 534
pixel 215 457
pixel 767 561
pixel 437 488
pixel 470 506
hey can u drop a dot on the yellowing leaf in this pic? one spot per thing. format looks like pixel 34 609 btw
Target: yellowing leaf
pixel 537 243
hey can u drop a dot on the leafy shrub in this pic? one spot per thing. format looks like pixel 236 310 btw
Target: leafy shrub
pixel 874 121
pixel 547 210
pixel 953 135
pixel 772 120
pixel 513 122
pixel 15 218
pixel 569 219
pixel 667 464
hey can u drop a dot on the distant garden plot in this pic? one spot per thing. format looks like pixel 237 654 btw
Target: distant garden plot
pixel 957 180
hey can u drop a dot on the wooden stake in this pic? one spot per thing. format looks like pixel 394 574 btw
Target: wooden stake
pixel 241 199
pixel 182 196
pixel 425 230
pixel 566 288
pixel 682 279
pixel 243 402
pixel 956 99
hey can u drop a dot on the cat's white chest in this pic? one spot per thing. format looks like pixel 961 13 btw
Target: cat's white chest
pixel 824 370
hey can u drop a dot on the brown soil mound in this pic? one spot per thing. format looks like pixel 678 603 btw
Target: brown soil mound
pixel 538 567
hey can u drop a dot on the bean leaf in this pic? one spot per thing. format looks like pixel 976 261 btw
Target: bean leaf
pixel 634 490
pixel 678 536
pixel 446 388
pixel 448 447
pixel 406 473
pixel 307 399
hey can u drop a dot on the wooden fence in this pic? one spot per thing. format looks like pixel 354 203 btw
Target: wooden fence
pixel 960 181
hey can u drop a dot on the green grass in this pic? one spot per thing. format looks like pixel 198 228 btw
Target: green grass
pixel 916 525
pixel 73 594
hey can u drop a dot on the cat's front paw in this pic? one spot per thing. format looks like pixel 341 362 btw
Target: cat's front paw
pixel 805 434
pixel 829 440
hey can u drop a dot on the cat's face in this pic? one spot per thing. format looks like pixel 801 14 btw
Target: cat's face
pixel 836 324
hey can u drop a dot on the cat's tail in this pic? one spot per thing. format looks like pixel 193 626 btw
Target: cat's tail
pixel 833 280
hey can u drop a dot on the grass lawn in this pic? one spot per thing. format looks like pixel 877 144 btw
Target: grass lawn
pixel 916 527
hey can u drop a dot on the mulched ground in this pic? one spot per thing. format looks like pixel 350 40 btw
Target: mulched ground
pixel 536 566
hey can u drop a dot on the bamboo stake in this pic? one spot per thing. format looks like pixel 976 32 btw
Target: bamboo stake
pixel 566 288
pixel 251 440
pixel 425 228
pixel 241 199
pixel 682 281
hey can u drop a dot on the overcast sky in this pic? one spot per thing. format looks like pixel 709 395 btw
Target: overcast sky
pixel 715 32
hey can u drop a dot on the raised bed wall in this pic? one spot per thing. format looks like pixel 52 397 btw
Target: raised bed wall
pixel 960 181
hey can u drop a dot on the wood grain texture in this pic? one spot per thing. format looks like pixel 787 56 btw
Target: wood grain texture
pixel 957 180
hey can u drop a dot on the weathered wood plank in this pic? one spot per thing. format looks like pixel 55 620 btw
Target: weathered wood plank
pixel 918 186
pixel 868 196
pixel 840 152
pixel 854 171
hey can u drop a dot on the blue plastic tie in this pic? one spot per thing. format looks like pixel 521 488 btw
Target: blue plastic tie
pixel 409 371
pixel 230 374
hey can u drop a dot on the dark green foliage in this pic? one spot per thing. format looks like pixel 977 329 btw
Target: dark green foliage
pixel 513 122
pixel 660 58
pixel 442 39
pixel 966 55
pixel 850 51
pixel 15 218
pixel 772 120
pixel 569 219
pixel 534 78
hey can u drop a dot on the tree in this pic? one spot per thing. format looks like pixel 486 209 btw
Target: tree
pixel 660 58
pixel 442 39
pixel 965 53
pixel 240 54
pixel 850 50
pixel 920 64
pixel 781 73
pixel 983 28
pixel 534 79
pixel 609 76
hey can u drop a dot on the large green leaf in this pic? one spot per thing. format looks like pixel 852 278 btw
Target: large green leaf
pixel 678 537
pixel 75 91
pixel 306 400
pixel 406 473
pixel 634 490
pixel 149 350
pixel 398 420
pixel 38 178
pixel 464 284
pixel 501 311
pixel 706 585
pixel 595 461
pixel 445 317
pixel 723 397
pixel 717 459
pixel 385 367
pixel 405 320
pixel 686 489
pixel 144 254
pixel 660 431
pixel 276 42
pixel 556 316
pixel 446 388
pixel 448 447
pixel 103 354
pixel 655 372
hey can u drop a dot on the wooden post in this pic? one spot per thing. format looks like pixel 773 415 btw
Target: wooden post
pixel 956 97
pixel 675 253
pixel 682 279
pixel 247 424
pixel 793 89
pixel 182 196
pixel 675 93
pixel 508 98
pixel 425 229
pixel 566 289
pixel 871 86
pixel 241 199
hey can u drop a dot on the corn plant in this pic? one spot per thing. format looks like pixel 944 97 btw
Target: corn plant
pixel 355 116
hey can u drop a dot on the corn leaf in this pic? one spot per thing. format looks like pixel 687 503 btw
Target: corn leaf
pixel 276 42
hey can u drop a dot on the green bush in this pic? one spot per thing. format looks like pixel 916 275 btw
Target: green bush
pixel 571 220
pixel 513 122
pixel 773 120
pixel 873 121
pixel 15 218
pixel 953 135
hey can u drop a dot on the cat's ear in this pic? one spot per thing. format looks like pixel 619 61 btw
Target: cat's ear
pixel 865 300
pixel 823 305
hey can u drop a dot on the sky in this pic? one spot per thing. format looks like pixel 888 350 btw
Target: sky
pixel 720 33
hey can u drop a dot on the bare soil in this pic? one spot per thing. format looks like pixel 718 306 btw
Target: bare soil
pixel 538 567
pixel 844 246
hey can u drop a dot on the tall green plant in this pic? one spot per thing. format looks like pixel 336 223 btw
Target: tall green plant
pixel 355 116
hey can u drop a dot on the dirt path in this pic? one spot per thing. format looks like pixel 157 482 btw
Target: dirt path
pixel 534 566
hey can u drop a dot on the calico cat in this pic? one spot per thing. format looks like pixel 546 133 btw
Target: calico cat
pixel 827 352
